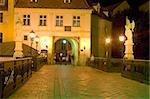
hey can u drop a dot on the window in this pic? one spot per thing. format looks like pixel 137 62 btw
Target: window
pixel 43 20
pixel 34 0
pixel 76 21
pixel 67 1
pixel 67 28
pixel 1 37
pixel 25 37
pixel 1 17
pixel 2 2
pixel 59 20
pixel 26 20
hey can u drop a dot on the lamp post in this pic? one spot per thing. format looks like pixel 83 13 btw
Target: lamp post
pixel 84 48
pixel 37 41
pixel 121 39
pixel 107 41
pixel 32 36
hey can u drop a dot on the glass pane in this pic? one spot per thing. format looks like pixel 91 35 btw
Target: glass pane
pixel 61 22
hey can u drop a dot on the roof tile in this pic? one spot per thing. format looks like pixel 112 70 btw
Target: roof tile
pixel 54 4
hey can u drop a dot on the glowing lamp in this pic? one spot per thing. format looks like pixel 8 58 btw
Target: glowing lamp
pixel 32 34
pixel 121 38
pixel 107 40
pixel 64 41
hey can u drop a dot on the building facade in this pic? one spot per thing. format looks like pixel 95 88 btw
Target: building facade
pixel 6 20
pixel 52 21
pixel 64 27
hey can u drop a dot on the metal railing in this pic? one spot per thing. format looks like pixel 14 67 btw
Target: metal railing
pixel 106 64
pixel 38 62
pixel 13 73
pixel 133 69
pixel 137 70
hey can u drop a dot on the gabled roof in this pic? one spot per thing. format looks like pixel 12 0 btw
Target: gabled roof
pixel 101 15
pixel 112 7
pixel 53 4
pixel 144 6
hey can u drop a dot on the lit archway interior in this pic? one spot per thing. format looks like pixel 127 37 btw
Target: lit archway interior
pixel 72 48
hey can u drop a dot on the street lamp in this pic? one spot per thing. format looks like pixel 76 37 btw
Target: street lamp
pixel 32 36
pixel 37 41
pixel 121 39
pixel 107 41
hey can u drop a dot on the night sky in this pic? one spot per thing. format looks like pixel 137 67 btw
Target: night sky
pixel 133 3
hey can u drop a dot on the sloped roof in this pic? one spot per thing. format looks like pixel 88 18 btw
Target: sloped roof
pixel 53 4
pixel 101 15
pixel 111 7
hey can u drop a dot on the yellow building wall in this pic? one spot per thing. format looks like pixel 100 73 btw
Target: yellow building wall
pixel 7 27
pixel 46 33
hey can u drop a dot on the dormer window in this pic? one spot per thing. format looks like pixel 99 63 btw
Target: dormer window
pixel 34 0
pixel 67 1
pixel 2 2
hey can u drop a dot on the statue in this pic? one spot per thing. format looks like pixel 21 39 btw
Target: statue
pixel 18 39
pixel 129 29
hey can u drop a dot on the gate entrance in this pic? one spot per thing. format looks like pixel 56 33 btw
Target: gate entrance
pixel 65 51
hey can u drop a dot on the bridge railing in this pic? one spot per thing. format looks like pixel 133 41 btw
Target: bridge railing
pixel 106 64
pixel 137 70
pixel 38 62
pixel 133 69
pixel 13 73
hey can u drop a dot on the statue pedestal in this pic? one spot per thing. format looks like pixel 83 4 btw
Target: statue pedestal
pixel 129 50
pixel 18 49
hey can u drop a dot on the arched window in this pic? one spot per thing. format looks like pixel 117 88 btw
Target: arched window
pixel 34 0
pixel 67 1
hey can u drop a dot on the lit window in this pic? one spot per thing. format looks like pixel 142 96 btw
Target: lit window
pixel 59 20
pixel 67 1
pixel 43 20
pixel 25 37
pixel 76 21
pixel 2 2
pixel 34 0
pixel 1 17
pixel 26 19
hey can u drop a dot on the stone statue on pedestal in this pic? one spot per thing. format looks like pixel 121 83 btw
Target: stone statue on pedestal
pixel 18 39
pixel 129 29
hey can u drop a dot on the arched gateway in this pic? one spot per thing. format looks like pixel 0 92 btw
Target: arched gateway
pixel 66 50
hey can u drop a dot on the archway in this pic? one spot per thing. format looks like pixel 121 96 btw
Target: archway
pixel 66 50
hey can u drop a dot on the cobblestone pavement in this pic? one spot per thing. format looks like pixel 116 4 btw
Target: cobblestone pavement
pixel 74 82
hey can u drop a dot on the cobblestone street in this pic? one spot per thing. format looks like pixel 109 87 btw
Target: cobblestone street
pixel 74 82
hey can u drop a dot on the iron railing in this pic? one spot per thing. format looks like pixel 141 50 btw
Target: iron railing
pixel 13 73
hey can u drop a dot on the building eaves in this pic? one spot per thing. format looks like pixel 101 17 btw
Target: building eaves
pixel 53 4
